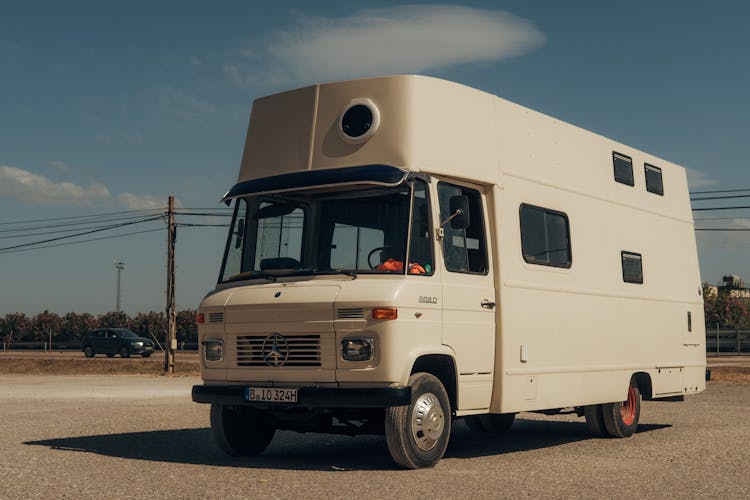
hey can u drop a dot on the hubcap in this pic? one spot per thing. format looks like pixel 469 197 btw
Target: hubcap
pixel 427 421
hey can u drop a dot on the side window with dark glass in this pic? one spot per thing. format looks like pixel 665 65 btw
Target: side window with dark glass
pixel 632 267
pixel 545 237
pixel 235 248
pixel 462 221
pixel 623 169
pixel 654 183
pixel 420 245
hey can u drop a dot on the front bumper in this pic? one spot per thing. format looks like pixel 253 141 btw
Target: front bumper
pixel 310 397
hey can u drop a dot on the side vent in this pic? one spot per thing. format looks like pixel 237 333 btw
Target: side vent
pixel 351 313
pixel 216 317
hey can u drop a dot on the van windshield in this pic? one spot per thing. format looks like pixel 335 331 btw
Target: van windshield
pixel 318 232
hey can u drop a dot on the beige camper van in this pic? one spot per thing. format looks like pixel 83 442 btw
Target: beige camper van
pixel 406 252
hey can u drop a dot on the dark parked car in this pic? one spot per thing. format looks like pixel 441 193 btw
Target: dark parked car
pixel 111 341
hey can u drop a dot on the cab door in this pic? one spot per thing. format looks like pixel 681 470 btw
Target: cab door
pixel 468 289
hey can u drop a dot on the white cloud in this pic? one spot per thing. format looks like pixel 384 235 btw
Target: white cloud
pixel 698 179
pixel 135 202
pixel 405 39
pixel 22 185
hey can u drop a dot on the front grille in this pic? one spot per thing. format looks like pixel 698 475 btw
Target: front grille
pixel 216 317
pixel 298 350
pixel 351 313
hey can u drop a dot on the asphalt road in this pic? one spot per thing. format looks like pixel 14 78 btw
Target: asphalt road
pixel 141 436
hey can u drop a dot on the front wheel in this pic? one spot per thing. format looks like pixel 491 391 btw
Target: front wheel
pixel 621 418
pixel 240 431
pixel 146 354
pixel 417 434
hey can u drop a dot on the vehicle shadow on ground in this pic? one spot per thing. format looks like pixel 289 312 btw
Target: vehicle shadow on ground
pixel 293 451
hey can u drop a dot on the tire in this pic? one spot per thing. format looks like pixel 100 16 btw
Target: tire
pixel 146 354
pixel 595 420
pixel 240 431
pixel 110 355
pixel 89 351
pixel 124 352
pixel 417 434
pixel 491 422
pixel 621 418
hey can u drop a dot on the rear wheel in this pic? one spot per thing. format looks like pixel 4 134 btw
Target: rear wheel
pixel 146 354
pixel 89 352
pixel 124 352
pixel 417 434
pixel 240 431
pixel 595 420
pixel 621 418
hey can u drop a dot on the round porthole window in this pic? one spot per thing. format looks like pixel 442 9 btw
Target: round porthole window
pixel 359 121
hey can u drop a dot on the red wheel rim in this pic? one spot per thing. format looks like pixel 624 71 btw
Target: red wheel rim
pixel 627 411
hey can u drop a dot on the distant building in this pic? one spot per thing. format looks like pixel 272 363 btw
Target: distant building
pixel 732 285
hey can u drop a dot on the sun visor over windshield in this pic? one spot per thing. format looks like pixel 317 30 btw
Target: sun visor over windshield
pixel 381 175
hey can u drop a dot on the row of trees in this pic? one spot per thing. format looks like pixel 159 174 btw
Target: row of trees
pixel 724 309
pixel 17 327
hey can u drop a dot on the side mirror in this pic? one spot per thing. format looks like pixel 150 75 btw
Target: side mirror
pixel 240 233
pixel 459 207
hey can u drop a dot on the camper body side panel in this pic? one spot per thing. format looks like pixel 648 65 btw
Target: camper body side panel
pixel 583 330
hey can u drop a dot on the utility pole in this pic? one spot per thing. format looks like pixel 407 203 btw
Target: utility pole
pixel 171 340
pixel 119 266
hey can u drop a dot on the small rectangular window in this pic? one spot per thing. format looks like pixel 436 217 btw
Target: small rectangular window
pixel 654 183
pixel 690 321
pixel 632 267
pixel 545 237
pixel 623 169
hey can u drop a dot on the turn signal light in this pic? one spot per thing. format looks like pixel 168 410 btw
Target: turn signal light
pixel 385 313
pixel 200 318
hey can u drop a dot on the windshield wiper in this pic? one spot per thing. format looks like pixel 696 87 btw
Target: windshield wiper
pixel 249 276
pixel 337 271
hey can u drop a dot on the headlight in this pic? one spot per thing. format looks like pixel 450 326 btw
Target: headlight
pixel 358 348
pixel 137 344
pixel 213 350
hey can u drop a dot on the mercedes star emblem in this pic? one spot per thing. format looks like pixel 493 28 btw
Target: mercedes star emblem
pixel 275 350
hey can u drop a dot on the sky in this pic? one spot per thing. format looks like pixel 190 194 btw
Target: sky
pixel 107 108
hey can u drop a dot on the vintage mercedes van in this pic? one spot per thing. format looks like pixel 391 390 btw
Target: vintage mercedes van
pixel 406 252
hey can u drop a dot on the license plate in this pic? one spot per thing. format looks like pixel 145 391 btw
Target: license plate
pixel 270 395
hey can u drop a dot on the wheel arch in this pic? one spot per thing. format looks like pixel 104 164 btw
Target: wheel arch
pixel 643 381
pixel 442 366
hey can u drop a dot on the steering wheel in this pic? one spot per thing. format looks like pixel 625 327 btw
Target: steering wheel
pixel 372 252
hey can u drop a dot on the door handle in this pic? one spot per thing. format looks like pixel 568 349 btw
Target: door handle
pixel 488 304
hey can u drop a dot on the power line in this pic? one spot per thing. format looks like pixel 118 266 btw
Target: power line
pixel 720 191
pixel 719 208
pixel 114 226
pixel 87 223
pixel 143 211
pixel 185 224
pixel 219 214
pixel 721 218
pixel 706 198
pixel 721 229
pixel 82 241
